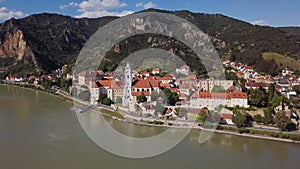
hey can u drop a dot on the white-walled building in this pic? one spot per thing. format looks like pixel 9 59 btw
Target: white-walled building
pixel 214 100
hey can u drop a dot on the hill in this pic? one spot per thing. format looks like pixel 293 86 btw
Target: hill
pixel 291 30
pixel 44 42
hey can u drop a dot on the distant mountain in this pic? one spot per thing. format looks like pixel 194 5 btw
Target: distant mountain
pixel 44 42
pixel 291 30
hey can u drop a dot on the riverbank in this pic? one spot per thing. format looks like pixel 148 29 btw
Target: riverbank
pixel 253 133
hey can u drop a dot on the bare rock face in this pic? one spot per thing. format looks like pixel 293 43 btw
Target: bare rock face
pixel 14 46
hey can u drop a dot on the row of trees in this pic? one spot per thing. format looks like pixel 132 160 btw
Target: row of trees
pixel 243 119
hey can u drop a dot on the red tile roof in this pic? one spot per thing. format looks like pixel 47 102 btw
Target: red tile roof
pixel 142 84
pixel 185 67
pixel 226 116
pixel 139 93
pixel 105 83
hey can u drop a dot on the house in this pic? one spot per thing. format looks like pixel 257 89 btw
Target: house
pixel 214 100
pixel 155 71
pixel 145 87
pixel 95 93
pixel 287 72
pixel 208 85
pixel 254 85
pixel 185 70
pixel 226 117
pixel 115 90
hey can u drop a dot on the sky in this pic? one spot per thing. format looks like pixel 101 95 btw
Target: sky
pixel 260 12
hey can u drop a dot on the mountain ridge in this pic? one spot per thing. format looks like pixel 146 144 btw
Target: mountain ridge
pixel 44 42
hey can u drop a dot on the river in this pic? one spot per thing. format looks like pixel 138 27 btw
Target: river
pixel 38 131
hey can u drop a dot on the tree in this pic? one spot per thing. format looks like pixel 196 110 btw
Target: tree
pixel 271 92
pixel 119 99
pixel 297 89
pixel 172 97
pixel 101 97
pixel 141 98
pixel 85 95
pixel 258 118
pixel 154 96
pixel 231 76
pixel 202 116
pixel 238 119
pixel 281 120
pixel 218 89
pixel 268 116
pixel 248 120
pixel 159 108
pixel 291 126
pixel 276 100
pixel 106 101
pixel 258 97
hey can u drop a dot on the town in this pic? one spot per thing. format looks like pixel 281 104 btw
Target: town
pixel 245 99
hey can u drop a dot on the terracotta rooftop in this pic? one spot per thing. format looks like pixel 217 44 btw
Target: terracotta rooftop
pixel 142 84
pixel 139 93
pixel 105 83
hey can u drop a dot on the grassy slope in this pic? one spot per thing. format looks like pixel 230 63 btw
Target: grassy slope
pixel 283 61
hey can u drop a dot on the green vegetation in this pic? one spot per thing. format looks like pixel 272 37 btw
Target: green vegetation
pixel 258 97
pixel 155 122
pixel 106 101
pixel 281 120
pixel 171 96
pixel 283 61
pixel 202 116
pixel 112 113
pixel 141 98
pixel 242 119
pixel 218 89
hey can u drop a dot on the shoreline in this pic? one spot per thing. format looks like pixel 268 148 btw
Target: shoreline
pixel 194 127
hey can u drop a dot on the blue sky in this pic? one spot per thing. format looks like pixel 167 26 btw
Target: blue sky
pixel 261 12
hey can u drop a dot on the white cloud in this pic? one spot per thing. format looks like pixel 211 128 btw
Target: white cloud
pixel 149 5
pixel 71 4
pixel 98 8
pixel 5 13
pixel 259 22
pixel 139 5
pixel 93 5
pixel 96 14
pixel 146 5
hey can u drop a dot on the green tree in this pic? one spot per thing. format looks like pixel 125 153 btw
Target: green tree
pixel 84 95
pixel 202 116
pixel 159 108
pixel 258 97
pixel 218 89
pixel 167 93
pixel 268 116
pixel 154 96
pixel 258 118
pixel 172 97
pixel 291 126
pixel 141 98
pixel 297 89
pixel 231 76
pixel 276 100
pixel 238 119
pixel 106 101
pixel 271 92
pixel 249 120
pixel 281 120
pixel 101 97
pixel 119 99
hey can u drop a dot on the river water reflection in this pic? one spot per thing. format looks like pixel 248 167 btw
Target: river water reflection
pixel 39 131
